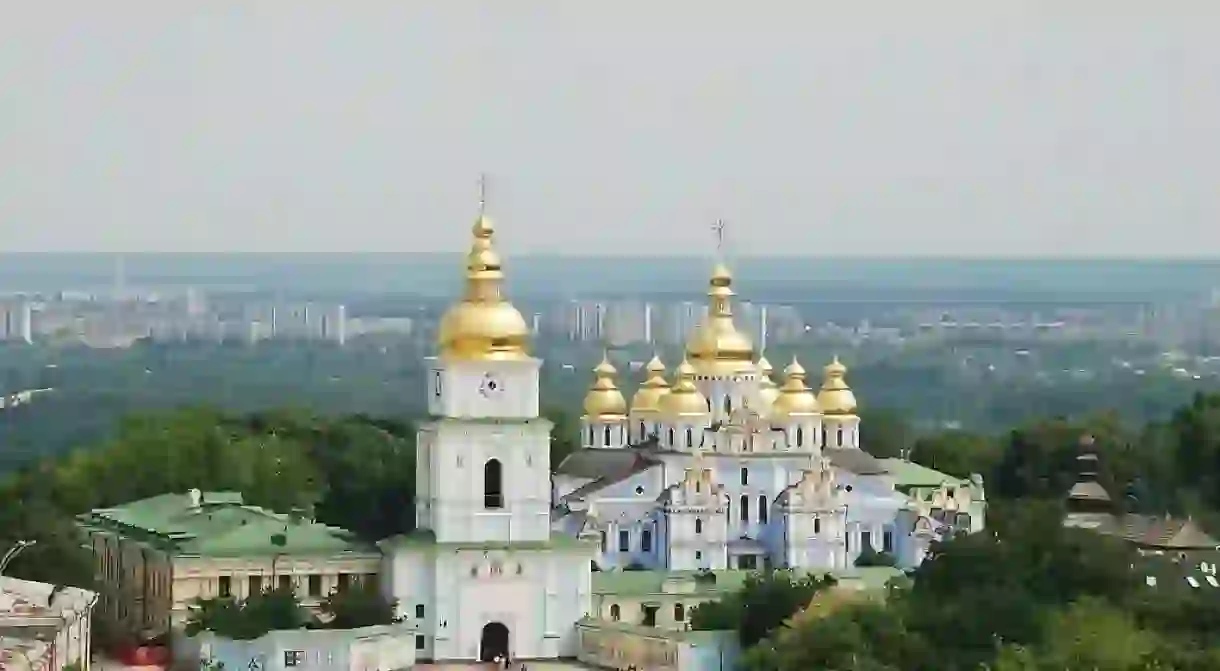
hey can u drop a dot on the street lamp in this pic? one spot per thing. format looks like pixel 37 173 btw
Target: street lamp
pixel 13 552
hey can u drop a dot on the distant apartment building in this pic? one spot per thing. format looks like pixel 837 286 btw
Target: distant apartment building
pixel 18 321
pixel 156 556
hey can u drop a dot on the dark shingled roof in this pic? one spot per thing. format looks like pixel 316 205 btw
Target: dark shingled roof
pixel 640 462
pixel 594 463
pixel 855 460
pixel 1161 532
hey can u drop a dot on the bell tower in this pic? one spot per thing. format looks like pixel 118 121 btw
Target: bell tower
pixel 483 464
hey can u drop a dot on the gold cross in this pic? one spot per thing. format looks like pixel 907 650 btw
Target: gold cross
pixel 482 193
pixel 718 229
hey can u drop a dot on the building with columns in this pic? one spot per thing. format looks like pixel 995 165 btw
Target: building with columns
pixel 720 468
pixel 156 556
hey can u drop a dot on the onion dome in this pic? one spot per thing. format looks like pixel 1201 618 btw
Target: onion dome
pixel 483 326
pixel 767 389
pixel 604 400
pixel 835 397
pixel 647 398
pixel 716 347
pixel 795 398
pixel 685 399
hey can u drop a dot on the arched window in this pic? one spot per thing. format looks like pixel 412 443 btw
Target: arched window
pixel 603 546
pixel 762 508
pixel 709 404
pixel 590 435
pixel 614 612
pixel 607 432
pixel 643 431
pixel 698 525
pixel 817 525
pixel 646 540
pixel 800 436
pixel 840 438
pixel 690 437
pixel 493 484
pixel 745 508
pixel 671 435
pixel 728 405
pixel 679 612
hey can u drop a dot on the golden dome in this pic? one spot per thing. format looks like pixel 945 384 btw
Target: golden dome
pixel 795 398
pixel 684 400
pixel 604 400
pixel 648 397
pixel 767 390
pixel 716 347
pixel 483 326
pixel 835 397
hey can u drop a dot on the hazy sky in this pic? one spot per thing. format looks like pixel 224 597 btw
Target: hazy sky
pixel 830 128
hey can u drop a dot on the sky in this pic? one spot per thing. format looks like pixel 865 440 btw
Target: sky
pixel 890 128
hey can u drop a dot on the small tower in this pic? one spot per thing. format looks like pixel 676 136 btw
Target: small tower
pixel 838 403
pixel 722 356
pixel 684 413
pixel 605 418
pixel 796 411
pixel 696 514
pixel 645 411
pixel 1088 503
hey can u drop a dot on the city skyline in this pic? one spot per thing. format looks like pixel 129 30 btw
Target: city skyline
pixel 874 130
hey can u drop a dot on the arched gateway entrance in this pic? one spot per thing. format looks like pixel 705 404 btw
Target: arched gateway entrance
pixel 494 642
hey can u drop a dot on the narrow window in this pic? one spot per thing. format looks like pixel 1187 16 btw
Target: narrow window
pixel 690 437
pixel 671 436
pixel 728 406
pixel 817 525
pixel 646 540
pixel 614 612
pixel 745 508
pixel 226 586
pixel 607 436
pixel 679 612
pixel 800 436
pixel 887 541
pixel 254 585
pixel 419 642
pixel 603 543
pixel 493 485
pixel 745 476
pixel 624 541
pixel 315 585
pixel 762 508
pixel 643 431
pixel 698 526
pixel 419 611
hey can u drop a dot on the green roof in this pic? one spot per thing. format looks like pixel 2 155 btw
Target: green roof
pixel 221 526
pixel 647 583
pixel 425 538
pixel 910 474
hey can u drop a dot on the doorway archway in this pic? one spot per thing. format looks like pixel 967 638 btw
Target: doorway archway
pixel 494 642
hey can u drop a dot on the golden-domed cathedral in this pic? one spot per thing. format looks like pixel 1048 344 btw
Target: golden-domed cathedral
pixel 764 443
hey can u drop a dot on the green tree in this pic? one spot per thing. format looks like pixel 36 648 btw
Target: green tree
pixel 272 610
pixel 357 605
pixel 764 602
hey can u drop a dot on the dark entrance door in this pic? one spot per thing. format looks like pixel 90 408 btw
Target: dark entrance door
pixel 494 642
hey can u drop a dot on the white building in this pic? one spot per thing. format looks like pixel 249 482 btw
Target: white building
pixel 44 627
pixel 726 470
pixel 484 576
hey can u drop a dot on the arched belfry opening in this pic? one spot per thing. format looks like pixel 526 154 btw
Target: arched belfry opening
pixel 494 642
pixel 493 484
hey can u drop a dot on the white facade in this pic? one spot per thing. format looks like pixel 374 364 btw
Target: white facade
pixel 483 577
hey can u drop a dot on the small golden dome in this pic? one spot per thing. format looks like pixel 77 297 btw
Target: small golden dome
pixel 716 347
pixel 767 389
pixel 685 399
pixel 604 400
pixel 483 326
pixel 835 397
pixel 795 398
pixel 648 397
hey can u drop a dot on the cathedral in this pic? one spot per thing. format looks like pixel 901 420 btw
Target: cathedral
pixel 719 467
pixel 713 468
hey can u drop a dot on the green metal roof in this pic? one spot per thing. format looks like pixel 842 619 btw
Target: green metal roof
pixel 910 474
pixel 221 526
pixel 425 538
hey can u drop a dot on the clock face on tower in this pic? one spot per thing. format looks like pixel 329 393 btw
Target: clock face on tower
pixel 491 386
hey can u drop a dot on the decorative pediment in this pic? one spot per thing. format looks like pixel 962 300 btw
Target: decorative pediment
pixel 816 489
pixel 951 498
